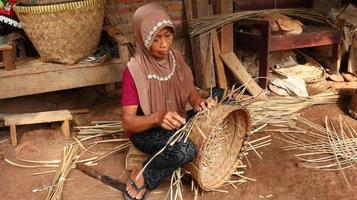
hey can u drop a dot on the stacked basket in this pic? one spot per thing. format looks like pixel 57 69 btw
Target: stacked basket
pixel 62 32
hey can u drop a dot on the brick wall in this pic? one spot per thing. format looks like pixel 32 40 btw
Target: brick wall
pixel 120 12
pixel 124 10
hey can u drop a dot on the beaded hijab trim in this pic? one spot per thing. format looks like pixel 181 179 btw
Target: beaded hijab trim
pixel 155 28
pixel 168 77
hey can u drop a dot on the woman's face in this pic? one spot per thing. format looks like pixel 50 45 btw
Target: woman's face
pixel 162 43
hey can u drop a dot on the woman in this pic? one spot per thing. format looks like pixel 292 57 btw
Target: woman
pixel 156 85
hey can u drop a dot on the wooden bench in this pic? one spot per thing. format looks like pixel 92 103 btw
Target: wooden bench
pixel 13 120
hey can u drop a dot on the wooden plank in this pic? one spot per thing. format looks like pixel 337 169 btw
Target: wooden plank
pixel 13 135
pixel 201 48
pixel 226 32
pixel 36 66
pixel 44 79
pixel 225 35
pixel 233 63
pixel 285 42
pixel 79 111
pixel 220 73
pixel 35 118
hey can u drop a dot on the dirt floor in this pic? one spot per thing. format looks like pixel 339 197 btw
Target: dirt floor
pixel 277 175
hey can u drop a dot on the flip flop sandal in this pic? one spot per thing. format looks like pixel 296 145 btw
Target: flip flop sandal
pixel 137 189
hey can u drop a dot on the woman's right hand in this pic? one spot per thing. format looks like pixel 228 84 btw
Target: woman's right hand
pixel 170 120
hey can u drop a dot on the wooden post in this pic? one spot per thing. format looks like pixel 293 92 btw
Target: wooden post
pixel 264 54
pixel 123 46
pixel 226 33
pixel 335 56
pixel 13 135
pixel 66 129
pixel 201 48
pixel 7 56
pixel 221 76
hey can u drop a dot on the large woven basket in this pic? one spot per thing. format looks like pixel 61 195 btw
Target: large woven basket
pixel 42 2
pixel 64 33
pixel 352 108
pixel 218 137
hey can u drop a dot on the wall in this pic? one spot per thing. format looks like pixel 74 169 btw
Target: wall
pixel 120 12
pixel 326 5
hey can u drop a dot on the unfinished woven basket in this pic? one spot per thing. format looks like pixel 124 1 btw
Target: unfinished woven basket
pixel 352 108
pixel 218 137
pixel 63 33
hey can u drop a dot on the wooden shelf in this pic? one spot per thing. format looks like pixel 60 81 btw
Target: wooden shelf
pixel 34 76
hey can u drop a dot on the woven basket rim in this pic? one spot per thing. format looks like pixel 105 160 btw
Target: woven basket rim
pixel 224 112
pixel 55 7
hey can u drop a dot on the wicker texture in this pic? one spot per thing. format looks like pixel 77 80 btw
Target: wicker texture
pixel 42 2
pixel 218 137
pixel 352 108
pixel 64 33
pixel 304 71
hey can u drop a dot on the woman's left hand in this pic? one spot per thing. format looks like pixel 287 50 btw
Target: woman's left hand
pixel 203 104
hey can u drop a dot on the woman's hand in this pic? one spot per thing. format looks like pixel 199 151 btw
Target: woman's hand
pixel 170 120
pixel 203 104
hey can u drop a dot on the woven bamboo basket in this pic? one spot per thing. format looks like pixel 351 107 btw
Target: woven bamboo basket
pixel 42 2
pixel 63 33
pixel 311 72
pixel 218 137
pixel 352 109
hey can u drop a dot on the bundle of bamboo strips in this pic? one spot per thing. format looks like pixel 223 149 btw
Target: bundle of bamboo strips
pixel 72 153
pixel 69 156
pixel 332 147
pixel 175 191
pixel 202 26
pixel 283 111
pixel 101 128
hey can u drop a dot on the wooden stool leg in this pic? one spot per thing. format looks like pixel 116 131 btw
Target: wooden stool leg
pixel 66 129
pixel 13 135
pixel 8 60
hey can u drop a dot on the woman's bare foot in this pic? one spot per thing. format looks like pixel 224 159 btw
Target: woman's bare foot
pixel 139 182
